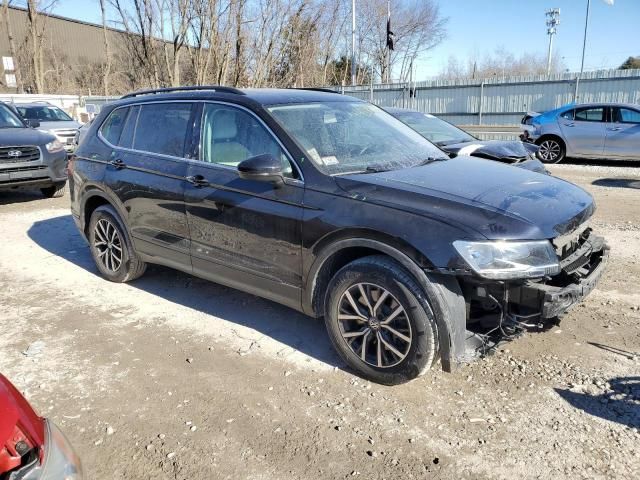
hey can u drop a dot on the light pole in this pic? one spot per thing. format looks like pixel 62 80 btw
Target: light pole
pixel 584 47
pixel 353 42
pixel 552 22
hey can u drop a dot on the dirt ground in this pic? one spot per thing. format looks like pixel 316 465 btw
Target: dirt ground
pixel 175 377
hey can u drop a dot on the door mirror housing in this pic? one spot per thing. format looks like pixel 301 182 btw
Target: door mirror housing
pixel 262 168
pixel 32 123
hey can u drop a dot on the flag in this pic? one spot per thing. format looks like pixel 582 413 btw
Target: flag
pixel 390 37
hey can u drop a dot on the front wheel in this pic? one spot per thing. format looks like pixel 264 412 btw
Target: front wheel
pixel 377 323
pixel 551 150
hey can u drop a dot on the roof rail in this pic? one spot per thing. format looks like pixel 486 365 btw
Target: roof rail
pixel 212 88
pixel 316 89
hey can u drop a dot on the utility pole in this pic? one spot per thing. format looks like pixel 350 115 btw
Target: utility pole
pixel 353 42
pixel 389 41
pixel 553 21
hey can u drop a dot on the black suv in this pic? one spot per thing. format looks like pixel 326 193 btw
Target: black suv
pixel 331 206
pixel 30 157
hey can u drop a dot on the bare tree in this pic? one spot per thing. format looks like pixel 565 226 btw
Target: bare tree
pixel 12 46
pixel 36 17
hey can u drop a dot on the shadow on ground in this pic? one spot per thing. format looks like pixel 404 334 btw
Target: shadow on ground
pixel 618 182
pixel 60 237
pixel 601 162
pixel 620 403
pixel 20 196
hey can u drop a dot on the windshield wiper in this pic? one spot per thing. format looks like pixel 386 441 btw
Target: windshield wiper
pixel 428 160
pixel 376 169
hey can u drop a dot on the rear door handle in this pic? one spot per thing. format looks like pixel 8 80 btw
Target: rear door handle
pixel 197 180
pixel 118 163
pixel 569 124
pixel 614 129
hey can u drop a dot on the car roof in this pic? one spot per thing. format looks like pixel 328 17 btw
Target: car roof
pixel 34 104
pixel 262 96
pixel 600 104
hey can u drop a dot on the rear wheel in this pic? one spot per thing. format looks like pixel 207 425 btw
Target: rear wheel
pixel 551 150
pixel 55 191
pixel 111 247
pixel 377 323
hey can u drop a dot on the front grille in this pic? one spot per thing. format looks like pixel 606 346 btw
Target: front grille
pixel 19 154
pixel 65 133
pixel 23 169
pixel 566 245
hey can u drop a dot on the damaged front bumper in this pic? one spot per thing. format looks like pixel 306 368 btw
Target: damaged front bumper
pixel 581 272
pixel 500 310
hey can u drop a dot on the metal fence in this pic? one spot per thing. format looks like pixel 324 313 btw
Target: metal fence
pixel 502 101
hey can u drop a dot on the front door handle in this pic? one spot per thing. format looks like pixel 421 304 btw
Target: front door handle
pixel 614 129
pixel 569 124
pixel 197 180
pixel 118 163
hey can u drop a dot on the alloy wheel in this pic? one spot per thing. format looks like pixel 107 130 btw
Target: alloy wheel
pixel 374 325
pixel 550 151
pixel 108 245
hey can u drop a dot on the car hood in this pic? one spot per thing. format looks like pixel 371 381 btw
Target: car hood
pixel 510 150
pixel 15 411
pixel 495 200
pixel 62 125
pixel 14 137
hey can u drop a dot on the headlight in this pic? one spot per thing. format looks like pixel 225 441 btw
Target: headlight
pixel 60 461
pixel 504 260
pixel 55 146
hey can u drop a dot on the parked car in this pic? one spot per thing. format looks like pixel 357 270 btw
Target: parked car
pixel 31 447
pixel 30 157
pixel 52 119
pixel 331 206
pixel 455 141
pixel 81 133
pixel 590 130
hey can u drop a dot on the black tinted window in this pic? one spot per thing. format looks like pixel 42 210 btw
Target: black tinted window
pixel 162 128
pixel 589 114
pixel 126 137
pixel 112 127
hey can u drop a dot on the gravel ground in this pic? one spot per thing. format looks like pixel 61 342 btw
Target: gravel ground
pixel 175 377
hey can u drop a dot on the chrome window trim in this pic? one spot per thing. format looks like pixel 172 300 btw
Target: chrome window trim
pixel 291 181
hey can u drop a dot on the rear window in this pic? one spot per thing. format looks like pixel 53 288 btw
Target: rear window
pixel 589 114
pixel 162 128
pixel 112 127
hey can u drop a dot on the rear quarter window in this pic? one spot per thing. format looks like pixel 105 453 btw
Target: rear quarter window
pixel 112 127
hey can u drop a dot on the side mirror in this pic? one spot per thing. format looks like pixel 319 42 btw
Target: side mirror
pixel 32 123
pixel 262 168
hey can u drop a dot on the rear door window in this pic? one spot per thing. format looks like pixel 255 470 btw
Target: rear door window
pixel 591 114
pixel 112 127
pixel 162 128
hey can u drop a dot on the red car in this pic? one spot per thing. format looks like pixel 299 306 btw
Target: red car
pixel 31 447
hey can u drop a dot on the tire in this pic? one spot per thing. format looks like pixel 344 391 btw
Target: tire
pixel 111 247
pixel 412 333
pixel 55 191
pixel 551 150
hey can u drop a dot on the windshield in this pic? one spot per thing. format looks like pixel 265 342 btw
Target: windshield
pixel 353 137
pixel 434 129
pixel 8 119
pixel 44 113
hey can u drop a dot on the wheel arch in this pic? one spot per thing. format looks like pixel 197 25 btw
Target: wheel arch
pixel 95 197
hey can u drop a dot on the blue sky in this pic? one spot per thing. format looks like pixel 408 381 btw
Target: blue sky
pixel 477 27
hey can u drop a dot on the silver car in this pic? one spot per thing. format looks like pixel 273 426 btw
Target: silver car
pixel 593 130
pixel 53 120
